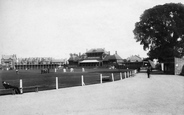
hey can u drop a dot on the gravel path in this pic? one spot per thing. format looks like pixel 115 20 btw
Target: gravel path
pixel 159 95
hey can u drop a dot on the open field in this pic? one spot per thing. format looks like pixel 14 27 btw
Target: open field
pixel 47 80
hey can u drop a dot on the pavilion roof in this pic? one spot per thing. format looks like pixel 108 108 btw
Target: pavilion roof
pixel 97 50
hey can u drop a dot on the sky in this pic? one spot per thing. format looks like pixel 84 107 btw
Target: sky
pixel 56 28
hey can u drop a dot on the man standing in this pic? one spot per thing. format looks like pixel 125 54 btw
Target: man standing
pixel 148 72
pixel 17 71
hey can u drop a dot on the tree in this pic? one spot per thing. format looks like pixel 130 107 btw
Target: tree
pixel 161 31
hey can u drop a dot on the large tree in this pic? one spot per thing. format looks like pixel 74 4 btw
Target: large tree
pixel 161 31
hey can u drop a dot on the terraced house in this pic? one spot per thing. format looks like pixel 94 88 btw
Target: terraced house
pixel 39 62
pixel 11 61
pixel 8 61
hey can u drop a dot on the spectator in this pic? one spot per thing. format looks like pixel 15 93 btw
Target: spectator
pixel 8 86
pixel 17 71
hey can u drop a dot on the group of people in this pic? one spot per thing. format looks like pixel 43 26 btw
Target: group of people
pixel 8 86
pixel 45 70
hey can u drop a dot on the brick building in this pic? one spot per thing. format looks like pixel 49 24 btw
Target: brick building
pixel 8 61
pixel 174 66
pixel 94 58
pixel 11 61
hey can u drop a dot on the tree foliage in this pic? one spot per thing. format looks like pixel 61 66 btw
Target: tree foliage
pixel 161 31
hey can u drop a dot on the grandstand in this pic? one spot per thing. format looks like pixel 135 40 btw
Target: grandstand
pixel 12 62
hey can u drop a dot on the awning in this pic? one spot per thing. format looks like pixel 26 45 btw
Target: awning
pixel 89 61
pixel 151 63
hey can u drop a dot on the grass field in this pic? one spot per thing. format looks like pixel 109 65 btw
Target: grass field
pixel 47 81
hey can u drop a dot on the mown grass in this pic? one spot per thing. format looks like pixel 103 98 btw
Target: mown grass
pixel 47 80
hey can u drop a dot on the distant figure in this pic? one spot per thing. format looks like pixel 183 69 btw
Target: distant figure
pixel 138 69
pixel 44 70
pixel 71 70
pixel 83 70
pixel 148 72
pixel 64 70
pixel 17 71
pixel 8 86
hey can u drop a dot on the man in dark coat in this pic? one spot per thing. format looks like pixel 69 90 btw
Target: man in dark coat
pixel 8 86
pixel 148 72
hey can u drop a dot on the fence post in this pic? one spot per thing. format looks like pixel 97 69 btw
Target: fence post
pixel 82 80
pixel 134 73
pixel 125 74
pixel 120 76
pixel 162 66
pixel 130 73
pixel 101 78
pixel 112 77
pixel 21 88
pixel 56 82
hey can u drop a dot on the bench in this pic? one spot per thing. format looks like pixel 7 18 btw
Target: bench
pixel 31 87
pixel 7 91
pixel 14 89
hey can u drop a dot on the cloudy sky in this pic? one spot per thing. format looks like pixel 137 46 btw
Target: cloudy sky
pixel 56 28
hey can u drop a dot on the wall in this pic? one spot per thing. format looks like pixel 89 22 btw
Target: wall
pixel 179 66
